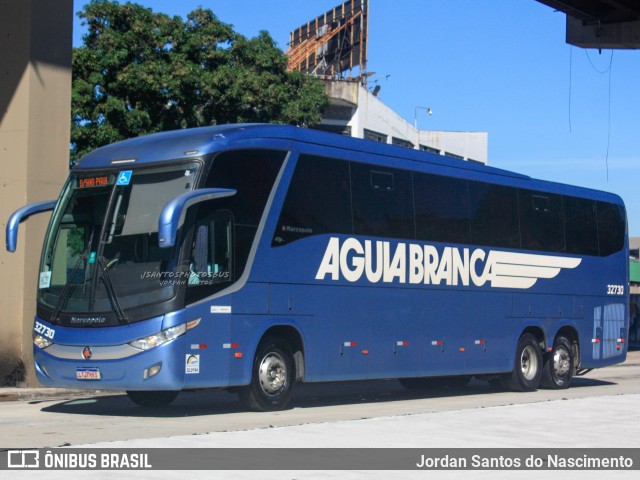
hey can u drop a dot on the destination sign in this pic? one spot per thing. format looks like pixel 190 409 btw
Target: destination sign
pixel 89 182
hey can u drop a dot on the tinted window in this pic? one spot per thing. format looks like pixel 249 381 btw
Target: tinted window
pixel 252 174
pixel 442 208
pixel 581 231
pixel 318 200
pixel 494 215
pixel 541 222
pixel 209 267
pixel 611 228
pixel 382 201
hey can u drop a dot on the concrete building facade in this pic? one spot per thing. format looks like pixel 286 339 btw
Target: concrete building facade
pixel 35 99
pixel 356 112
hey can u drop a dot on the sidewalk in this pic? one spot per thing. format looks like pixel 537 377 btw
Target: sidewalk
pixel 558 424
pixel 13 394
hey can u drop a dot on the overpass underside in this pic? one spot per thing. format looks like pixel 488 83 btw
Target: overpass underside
pixel 601 24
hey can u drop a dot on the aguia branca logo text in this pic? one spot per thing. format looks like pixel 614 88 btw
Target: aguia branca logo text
pixel 382 261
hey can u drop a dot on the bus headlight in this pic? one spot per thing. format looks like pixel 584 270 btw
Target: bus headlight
pixel 153 341
pixel 40 341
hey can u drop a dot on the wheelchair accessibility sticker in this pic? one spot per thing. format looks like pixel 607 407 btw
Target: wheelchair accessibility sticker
pixel 124 177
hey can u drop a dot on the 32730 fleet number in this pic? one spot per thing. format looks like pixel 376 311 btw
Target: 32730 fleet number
pixel 44 330
pixel 615 289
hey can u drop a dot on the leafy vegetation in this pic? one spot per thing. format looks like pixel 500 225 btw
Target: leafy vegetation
pixel 140 72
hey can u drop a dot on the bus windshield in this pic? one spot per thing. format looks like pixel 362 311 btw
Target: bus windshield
pixel 101 253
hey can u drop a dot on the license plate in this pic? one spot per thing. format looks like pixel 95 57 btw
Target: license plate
pixel 88 373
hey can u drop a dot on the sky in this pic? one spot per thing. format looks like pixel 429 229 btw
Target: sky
pixel 552 111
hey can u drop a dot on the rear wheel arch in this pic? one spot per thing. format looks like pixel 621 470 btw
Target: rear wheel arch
pixel 562 359
pixel 537 332
pixel 570 332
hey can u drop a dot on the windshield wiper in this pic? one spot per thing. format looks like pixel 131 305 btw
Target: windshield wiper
pixel 111 292
pixel 87 253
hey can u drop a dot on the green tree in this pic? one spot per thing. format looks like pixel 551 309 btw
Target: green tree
pixel 140 72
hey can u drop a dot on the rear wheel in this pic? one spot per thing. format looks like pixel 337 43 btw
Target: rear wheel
pixel 527 370
pixel 152 398
pixel 272 378
pixel 559 365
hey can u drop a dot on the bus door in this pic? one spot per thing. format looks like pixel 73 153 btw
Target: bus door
pixel 398 329
pixel 350 335
pixel 444 322
pixel 488 325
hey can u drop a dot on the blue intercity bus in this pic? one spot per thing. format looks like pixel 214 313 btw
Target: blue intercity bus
pixel 254 257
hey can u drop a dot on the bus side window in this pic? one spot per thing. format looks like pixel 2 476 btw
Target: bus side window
pixel 611 227
pixel 318 201
pixel 442 208
pixel 382 201
pixel 211 258
pixel 494 215
pixel 581 230
pixel 541 221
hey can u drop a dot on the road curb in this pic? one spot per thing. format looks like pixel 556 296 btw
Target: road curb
pixel 14 394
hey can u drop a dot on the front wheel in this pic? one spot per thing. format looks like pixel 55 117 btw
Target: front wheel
pixel 272 377
pixel 527 370
pixel 559 365
pixel 152 398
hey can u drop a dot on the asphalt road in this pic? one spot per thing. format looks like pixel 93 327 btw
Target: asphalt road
pixel 64 419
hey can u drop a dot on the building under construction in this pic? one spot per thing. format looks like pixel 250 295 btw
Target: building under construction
pixel 333 47
pixel 333 43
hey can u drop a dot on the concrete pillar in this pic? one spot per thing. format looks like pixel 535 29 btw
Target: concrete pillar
pixel 35 101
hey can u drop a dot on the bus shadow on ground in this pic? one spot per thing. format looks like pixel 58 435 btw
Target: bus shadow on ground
pixel 219 402
pixel 188 404
pixel 581 382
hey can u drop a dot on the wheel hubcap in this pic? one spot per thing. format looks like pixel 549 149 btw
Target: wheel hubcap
pixel 272 373
pixel 529 363
pixel 561 362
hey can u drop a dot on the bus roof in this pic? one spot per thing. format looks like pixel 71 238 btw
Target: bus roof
pixel 176 144
pixel 195 142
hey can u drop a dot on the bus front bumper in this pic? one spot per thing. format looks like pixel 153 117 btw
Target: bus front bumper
pixel 105 368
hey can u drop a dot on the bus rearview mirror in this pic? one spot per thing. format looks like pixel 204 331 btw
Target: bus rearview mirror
pixel 172 214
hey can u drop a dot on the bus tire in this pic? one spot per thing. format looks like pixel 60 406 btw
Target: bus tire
pixel 272 377
pixel 152 398
pixel 559 365
pixel 527 371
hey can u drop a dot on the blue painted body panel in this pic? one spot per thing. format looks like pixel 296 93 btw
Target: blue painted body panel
pixel 350 330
